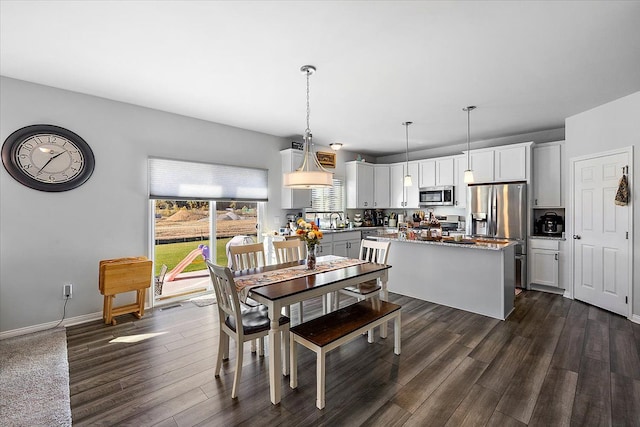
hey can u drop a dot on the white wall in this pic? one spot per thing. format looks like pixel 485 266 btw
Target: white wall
pixel 48 239
pixel 607 127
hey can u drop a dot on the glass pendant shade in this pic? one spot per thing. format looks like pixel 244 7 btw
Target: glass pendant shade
pixel 310 174
pixel 468 177
pixel 407 181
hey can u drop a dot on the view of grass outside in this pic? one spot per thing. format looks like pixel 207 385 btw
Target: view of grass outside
pixel 183 225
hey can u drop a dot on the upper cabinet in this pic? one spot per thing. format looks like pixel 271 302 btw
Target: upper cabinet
pixel 482 165
pixel 381 194
pixel 293 199
pixel 460 189
pixel 401 196
pixel 510 163
pixel 547 183
pixel 360 183
pixel 436 172
pixel 499 164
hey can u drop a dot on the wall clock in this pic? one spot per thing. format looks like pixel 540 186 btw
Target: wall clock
pixel 47 158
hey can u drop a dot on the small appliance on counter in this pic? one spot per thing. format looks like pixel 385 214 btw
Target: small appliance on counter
pixel 550 224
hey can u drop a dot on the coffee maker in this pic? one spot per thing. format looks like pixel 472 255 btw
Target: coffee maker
pixel 368 218
pixel 378 218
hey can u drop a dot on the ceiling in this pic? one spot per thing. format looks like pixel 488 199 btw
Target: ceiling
pixel 526 65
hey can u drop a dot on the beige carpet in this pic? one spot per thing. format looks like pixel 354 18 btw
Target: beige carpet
pixel 34 380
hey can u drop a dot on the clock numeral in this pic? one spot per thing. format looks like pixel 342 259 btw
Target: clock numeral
pixel 27 146
pixel 52 178
pixel 27 166
pixel 65 176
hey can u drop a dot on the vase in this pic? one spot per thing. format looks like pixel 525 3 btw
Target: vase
pixel 311 257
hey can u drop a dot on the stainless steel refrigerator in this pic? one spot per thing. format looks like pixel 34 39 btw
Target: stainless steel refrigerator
pixel 499 211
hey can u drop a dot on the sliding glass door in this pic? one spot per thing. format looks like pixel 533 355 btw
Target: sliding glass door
pixel 182 231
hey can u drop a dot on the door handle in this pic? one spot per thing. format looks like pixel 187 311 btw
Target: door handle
pixel 577 236
pixel 556 256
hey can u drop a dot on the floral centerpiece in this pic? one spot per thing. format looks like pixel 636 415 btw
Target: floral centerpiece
pixel 311 234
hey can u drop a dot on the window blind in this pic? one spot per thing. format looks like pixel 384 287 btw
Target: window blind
pixel 328 199
pixel 177 179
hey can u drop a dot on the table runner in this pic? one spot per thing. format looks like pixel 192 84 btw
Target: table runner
pixel 245 283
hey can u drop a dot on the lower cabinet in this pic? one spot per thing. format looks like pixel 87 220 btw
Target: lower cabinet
pixel 324 248
pixel 544 260
pixel 346 244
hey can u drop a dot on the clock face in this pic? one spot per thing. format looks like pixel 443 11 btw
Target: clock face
pixel 47 158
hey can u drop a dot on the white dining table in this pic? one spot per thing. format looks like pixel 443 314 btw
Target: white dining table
pixel 279 294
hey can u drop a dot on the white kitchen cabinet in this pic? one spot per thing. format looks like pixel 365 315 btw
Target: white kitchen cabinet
pixel 445 171
pixel 381 194
pixel 544 260
pixel 396 189
pixel 460 189
pixel 347 244
pixel 412 194
pixel 510 163
pixel 359 185
pixel 482 165
pixel 427 173
pixel 436 172
pixel 547 184
pixel 324 248
pixel 401 196
pixel 293 199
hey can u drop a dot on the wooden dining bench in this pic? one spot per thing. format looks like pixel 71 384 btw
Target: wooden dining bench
pixel 330 331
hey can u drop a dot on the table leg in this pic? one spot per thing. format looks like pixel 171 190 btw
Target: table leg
pixel 385 297
pixel 275 357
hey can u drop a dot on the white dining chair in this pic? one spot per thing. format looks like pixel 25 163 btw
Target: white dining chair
pixel 289 251
pixel 247 256
pixel 241 324
pixel 371 251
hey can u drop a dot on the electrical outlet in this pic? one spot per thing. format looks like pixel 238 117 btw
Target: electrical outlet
pixel 67 290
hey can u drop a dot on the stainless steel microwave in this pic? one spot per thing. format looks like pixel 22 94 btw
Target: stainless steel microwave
pixel 437 196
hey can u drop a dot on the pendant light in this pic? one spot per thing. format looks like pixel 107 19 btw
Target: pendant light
pixel 310 174
pixel 407 178
pixel 468 174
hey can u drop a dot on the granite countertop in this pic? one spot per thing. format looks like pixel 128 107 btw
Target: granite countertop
pixel 478 244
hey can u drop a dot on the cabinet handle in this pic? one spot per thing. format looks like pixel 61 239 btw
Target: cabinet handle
pixel 535 202
pixel 556 257
pixel 366 203
pixel 577 236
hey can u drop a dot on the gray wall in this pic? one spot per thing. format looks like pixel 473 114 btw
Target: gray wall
pixel 607 127
pixel 452 150
pixel 48 239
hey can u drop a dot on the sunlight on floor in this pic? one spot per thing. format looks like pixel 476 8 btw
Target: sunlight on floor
pixel 136 338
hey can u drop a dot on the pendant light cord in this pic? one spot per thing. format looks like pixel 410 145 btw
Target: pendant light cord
pixel 468 110
pixel 307 131
pixel 406 128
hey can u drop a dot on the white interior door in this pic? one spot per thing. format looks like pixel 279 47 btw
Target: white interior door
pixel 600 233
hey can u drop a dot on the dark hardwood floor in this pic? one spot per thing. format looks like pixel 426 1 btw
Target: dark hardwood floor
pixel 553 362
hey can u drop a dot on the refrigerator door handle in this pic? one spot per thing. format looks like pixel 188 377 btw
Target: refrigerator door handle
pixel 493 200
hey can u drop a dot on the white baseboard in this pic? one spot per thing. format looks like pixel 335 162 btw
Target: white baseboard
pixel 41 327
pixel 635 318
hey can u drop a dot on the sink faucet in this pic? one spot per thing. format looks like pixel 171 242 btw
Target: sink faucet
pixel 331 224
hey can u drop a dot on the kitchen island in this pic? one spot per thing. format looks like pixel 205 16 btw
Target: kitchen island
pixel 476 276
